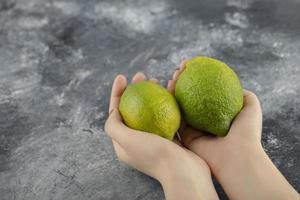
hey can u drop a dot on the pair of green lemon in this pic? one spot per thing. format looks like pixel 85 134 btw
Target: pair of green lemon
pixel 208 94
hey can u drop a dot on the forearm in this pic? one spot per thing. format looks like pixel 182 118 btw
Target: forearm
pixel 253 176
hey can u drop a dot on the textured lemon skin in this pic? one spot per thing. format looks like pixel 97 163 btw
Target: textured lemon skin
pixel 209 94
pixel 148 107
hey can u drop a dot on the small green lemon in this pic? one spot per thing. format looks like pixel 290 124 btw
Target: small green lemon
pixel 209 94
pixel 148 107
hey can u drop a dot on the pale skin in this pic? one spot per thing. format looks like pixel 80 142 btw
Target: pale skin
pixel 238 160
pixel 182 174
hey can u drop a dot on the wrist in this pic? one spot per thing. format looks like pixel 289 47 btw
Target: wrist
pixel 179 183
pixel 176 190
pixel 250 174
pixel 237 172
pixel 238 158
pixel 240 161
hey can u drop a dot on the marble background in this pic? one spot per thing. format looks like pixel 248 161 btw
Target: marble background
pixel 58 60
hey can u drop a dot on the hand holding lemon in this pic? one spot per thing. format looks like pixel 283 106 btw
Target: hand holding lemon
pixel 182 174
pixel 210 101
pixel 208 92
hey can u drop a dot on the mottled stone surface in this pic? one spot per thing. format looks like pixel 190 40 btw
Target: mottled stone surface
pixel 58 59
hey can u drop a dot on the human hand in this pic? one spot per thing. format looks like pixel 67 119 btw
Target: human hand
pixel 182 173
pixel 238 160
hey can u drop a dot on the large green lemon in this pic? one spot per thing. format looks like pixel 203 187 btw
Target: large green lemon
pixel 209 94
pixel 148 107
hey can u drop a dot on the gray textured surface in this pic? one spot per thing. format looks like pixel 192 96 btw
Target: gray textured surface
pixel 58 59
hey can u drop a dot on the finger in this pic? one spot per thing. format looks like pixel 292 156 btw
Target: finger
pixel 198 142
pixel 128 138
pixel 251 106
pixel 189 135
pixel 176 75
pixel 182 65
pixel 250 117
pixel 154 80
pixel 171 86
pixel 251 101
pixel 203 147
pixel 138 77
pixel 114 126
pixel 117 90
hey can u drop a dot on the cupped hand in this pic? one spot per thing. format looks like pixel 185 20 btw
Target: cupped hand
pixel 238 160
pixel 182 173
pixel 245 132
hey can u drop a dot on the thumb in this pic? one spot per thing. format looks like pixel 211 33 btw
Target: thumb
pixel 250 117
pixel 126 137
pixel 114 124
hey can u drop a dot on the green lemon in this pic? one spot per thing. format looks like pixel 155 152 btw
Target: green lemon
pixel 148 107
pixel 209 94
